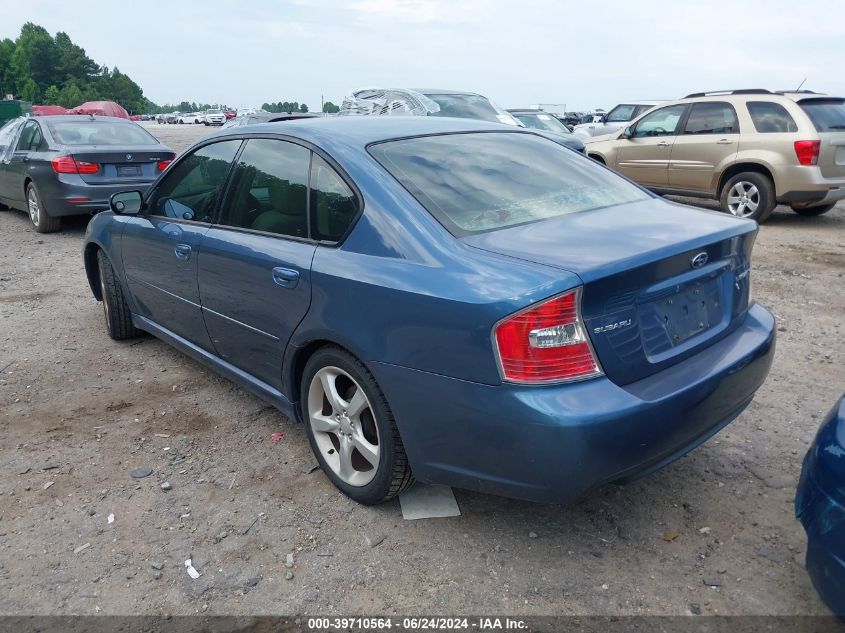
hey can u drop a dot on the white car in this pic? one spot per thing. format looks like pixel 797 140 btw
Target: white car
pixel 214 117
pixel 616 119
pixel 190 117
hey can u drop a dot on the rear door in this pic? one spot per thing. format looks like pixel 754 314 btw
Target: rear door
pixel 161 248
pixel 828 116
pixel 8 141
pixel 709 141
pixel 644 158
pixel 19 162
pixel 255 263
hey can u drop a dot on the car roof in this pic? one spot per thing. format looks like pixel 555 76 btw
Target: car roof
pixel 437 91
pixel 79 118
pixel 528 111
pixel 363 130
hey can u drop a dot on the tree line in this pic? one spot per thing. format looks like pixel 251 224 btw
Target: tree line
pixel 43 69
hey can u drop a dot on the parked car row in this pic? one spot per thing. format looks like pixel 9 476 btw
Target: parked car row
pixel 214 116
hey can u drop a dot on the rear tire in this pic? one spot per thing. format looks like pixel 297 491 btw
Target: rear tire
pixel 346 414
pixel 42 221
pixel 749 195
pixel 115 308
pixel 810 212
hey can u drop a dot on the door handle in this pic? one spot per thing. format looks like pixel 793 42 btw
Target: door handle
pixel 724 141
pixel 286 277
pixel 182 251
pixel 663 144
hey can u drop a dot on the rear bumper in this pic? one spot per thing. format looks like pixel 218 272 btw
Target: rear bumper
pixel 551 444
pixel 806 186
pixel 70 195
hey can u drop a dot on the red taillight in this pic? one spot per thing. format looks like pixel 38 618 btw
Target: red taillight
pixel 162 164
pixel 546 343
pixel 808 152
pixel 69 165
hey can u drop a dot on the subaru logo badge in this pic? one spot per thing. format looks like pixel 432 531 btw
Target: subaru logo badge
pixel 129 157
pixel 699 260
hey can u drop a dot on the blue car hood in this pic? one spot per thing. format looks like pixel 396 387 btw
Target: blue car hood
pixel 596 244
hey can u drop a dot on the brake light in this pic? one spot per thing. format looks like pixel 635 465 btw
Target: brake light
pixel 546 343
pixel 808 152
pixel 162 164
pixel 69 165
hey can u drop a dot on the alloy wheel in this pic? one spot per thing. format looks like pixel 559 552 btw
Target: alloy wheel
pixel 344 426
pixel 34 209
pixel 743 199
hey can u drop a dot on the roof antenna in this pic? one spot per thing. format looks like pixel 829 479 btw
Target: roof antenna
pixel 798 89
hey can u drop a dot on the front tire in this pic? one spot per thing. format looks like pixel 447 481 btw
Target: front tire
pixel 42 221
pixel 810 212
pixel 749 195
pixel 115 307
pixel 351 428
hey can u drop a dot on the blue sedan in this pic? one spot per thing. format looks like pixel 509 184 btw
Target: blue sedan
pixel 445 300
pixel 820 505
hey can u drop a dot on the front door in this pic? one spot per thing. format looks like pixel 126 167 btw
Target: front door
pixel 644 158
pixel 708 143
pixel 255 263
pixel 162 246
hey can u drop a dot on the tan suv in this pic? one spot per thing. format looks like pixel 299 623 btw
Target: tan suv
pixel 749 149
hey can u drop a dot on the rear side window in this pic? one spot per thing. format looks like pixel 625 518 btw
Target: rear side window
pixel 30 131
pixel 770 117
pixel 828 115
pixel 333 205
pixel 486 181
pixel 191 188
pixel 269 190
pixel 712 118
pixel 86 132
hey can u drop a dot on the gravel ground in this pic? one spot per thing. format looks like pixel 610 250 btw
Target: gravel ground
pixel 713 533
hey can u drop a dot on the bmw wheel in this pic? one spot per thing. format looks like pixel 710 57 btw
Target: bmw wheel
pixel 42 221
pixel 749 195
pixel 351 428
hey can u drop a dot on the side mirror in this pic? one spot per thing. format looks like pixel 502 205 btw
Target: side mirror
pixel 126 202
pixel 628 132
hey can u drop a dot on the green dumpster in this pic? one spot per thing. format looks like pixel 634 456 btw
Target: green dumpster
pixel 13 109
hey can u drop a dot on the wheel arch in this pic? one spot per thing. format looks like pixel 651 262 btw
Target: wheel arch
pixel 92 270
pixel 738 168
pixel 295 366
pixel 597 157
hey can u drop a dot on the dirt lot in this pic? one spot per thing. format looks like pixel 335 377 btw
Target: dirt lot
pixel 713 533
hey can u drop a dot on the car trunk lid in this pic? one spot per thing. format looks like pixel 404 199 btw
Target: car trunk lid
pixel 828 116
pixel 661 280
pixel 126 165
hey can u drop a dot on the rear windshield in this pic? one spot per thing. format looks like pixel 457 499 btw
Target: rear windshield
pixel 99 133
pixel 486 181
pixel 468 107
pixel 828 115
pixel 542 121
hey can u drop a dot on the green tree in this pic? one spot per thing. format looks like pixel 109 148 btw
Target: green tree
pixel 72 62
pixel 51 97
pixel 330 108
pixel 30 92
pixel 71 95
pixel 303 107
pixel 7 76
pixel 34 58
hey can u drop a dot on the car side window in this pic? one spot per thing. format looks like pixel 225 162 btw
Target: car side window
pixel 333 204
pixel 621 113
pixel 770 117
pixel 662 122
pixel 269 189
pixel 7 138
pixel 27 135
pixel 191 189
pixel 712 118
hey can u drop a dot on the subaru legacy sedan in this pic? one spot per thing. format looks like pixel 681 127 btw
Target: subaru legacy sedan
pixel 444 300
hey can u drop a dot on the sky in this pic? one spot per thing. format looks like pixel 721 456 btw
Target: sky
pixel 585 55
